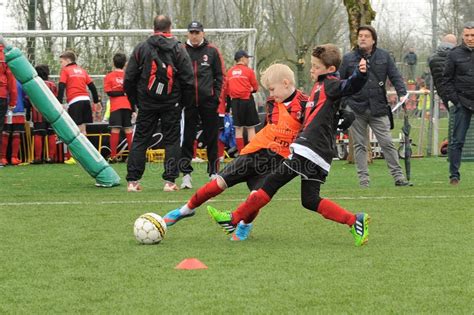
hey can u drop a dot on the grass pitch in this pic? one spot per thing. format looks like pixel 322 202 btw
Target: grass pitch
pixel 68 247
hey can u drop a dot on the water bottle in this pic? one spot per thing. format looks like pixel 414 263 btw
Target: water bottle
pixel 9 117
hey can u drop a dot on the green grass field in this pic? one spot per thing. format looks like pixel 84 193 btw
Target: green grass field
pixel 68 247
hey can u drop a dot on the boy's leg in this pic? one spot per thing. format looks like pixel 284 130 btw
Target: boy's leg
pixel 114 140
pixel 15 148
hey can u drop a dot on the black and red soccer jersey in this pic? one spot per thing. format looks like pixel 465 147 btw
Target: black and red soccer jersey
pixel 76 80
pixel 113 82
pixel 35 115
pixel 317 137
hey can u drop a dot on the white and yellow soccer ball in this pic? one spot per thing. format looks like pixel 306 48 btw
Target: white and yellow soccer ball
pixel 149 228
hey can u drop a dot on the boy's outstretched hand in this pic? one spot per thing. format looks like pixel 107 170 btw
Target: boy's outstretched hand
pixel 363 65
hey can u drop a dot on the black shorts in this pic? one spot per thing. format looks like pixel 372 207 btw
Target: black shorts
pixel 9 128
pixel 80 112
pixel 307 169
pixel 121 118
pixel 251 168
pixel 42 128
pixel 244 113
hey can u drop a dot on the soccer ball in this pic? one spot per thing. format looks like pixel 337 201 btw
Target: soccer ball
pixel 149 228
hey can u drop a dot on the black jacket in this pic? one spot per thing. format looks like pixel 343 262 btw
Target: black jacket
pixel 208 67
pixel 458 76
pixel 135 82
pixel 318 133
pixel 372 96
pixel 436 63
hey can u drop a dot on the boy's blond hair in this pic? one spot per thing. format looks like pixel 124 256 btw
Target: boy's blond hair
pixel 276 73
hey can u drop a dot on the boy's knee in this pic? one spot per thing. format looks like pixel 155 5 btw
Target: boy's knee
pixel 311 202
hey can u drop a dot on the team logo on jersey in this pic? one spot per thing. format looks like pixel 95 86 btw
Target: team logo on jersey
pixel 77 71
pixel 237 72
pixel 205 59
pixel 119 80
pixel 310 104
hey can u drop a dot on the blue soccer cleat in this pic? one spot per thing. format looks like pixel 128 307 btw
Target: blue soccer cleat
pixel 242 232
pixel 174 216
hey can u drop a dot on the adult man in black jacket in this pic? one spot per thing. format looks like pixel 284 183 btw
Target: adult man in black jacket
pixel 136 84
pixel 370 104
pixel 458 79
pixel 437 62
pixel 208 67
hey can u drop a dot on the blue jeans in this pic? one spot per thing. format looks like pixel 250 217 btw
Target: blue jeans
pixel 462 120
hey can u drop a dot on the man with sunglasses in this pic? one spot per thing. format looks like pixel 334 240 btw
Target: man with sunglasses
pixel 208 67
pixel 458 78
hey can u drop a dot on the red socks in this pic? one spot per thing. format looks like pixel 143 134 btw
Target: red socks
pixel 15 145
pixel 52 147
pixel 38 146
pixel 129 137
pixel 248 210
pixel 332 211
pixel 240 143
pixel 204 193
pixel 3 149
pixel 114 139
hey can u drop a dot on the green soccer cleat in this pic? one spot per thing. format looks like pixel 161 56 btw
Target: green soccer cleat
pixel 360 229
pixel 223 218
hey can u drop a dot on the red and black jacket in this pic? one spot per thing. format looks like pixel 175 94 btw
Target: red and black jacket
pixel 318 133
pixel 209 69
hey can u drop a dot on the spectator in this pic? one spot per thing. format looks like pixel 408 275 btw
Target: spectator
pixel 160 101
pixel 8 91
pixel 370 104
pixel 437 62
pixel 42 130
pixel 459 82
pixel 410 60
pixel 241 83
pixel 74 81
pixel 14 127
pixel 120 108
pixel 208 67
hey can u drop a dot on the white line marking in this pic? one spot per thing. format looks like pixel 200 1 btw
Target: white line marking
pixel 112 202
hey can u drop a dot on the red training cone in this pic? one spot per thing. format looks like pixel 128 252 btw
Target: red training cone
pixel 190 264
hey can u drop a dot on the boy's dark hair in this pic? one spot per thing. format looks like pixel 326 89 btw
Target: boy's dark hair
pixel 162 23
pixel 119 60
pixel 43 71
pixel 329 55
pixel 68 54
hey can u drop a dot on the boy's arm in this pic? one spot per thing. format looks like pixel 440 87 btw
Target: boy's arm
pixel 93 89
pixel 61 89
pixel 356 81
pixel 12 90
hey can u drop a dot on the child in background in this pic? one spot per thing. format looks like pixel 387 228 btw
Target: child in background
pixel 74 81
pixel 14 127
pixel 41 128
pixel 312 150
pixel 120 108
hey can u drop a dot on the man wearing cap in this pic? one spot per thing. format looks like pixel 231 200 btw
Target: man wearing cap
pixel 240 84
pixel 370 104
pixel 458 80
pixel 209 70
pixel 8 91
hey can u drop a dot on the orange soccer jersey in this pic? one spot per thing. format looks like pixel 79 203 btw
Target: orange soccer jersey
pixel 284 121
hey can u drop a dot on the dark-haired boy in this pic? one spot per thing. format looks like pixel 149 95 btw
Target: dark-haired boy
pixel 312 151
pixel 41 128
pixel 74 80
pixel 120 107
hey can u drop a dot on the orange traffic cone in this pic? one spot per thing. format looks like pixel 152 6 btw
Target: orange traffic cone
pixel 190 264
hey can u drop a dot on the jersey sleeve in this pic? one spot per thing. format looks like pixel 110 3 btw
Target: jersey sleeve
pixel 63 76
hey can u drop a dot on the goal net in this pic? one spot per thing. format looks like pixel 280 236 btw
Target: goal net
pixel 95 48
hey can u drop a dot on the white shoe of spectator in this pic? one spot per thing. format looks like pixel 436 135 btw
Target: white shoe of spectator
pixel 187 182
pixel 198 160
pixel 212 177
pixel 169 187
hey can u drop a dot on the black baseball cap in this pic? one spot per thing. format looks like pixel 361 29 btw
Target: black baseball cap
pixel 240 54
pixel 195 26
